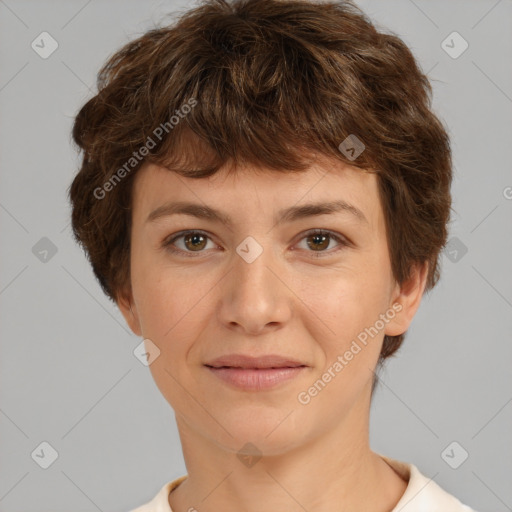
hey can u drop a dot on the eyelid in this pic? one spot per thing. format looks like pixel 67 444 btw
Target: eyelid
pixel 343 241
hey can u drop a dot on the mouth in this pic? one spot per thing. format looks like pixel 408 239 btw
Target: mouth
pixel 255 374
pixel 254 367
pixel 256 379
pixel 242 361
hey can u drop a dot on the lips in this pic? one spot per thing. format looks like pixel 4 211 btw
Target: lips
pixel 250 362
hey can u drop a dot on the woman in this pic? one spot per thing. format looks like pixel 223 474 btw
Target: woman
pixel 265 193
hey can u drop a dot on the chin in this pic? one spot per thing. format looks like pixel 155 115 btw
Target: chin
pixel 273 432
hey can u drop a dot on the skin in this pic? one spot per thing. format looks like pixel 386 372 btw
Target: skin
pixel 288 302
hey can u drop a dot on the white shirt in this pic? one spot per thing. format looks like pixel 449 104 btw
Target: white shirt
pixel 421 495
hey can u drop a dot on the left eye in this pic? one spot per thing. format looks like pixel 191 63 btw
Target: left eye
pixel 319 239
pixel 196 241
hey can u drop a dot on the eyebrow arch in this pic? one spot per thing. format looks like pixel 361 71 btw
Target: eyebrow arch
pixel 286 215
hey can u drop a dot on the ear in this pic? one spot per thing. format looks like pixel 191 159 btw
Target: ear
pixel 128 308
pixel 407 299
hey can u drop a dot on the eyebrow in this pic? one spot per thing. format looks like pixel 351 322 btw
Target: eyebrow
pixel 286 215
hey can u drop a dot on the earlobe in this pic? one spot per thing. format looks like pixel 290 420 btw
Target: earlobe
pixel 409 298
pixel 127 307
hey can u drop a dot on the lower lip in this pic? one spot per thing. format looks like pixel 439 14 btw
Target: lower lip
pixel 252 379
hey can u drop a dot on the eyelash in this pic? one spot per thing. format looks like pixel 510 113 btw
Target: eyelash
pixel 167 244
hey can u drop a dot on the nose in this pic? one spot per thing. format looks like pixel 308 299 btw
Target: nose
pixel 254 295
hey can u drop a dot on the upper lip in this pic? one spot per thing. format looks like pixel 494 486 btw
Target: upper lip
pixel 244 361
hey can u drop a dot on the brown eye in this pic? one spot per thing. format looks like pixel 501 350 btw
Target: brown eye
pixel 192 242
pixel 318 241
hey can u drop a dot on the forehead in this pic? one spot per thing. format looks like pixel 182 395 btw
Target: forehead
pixel 252 191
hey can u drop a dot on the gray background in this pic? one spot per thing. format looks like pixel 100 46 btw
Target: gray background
pixel 68 373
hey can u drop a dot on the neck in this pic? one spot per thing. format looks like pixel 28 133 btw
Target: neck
pixel 332 472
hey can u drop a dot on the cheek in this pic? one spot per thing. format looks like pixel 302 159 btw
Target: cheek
pixel 171 310
pixel 158 293
pixel 173 306
pixel 351 307
pixel 346 302
pixel 350 350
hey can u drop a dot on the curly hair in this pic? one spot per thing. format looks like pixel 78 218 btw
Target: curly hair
pixel 271 83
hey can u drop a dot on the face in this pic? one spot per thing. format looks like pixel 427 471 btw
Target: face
pixel 279 279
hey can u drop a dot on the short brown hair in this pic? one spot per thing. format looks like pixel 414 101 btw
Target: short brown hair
pixel 272 83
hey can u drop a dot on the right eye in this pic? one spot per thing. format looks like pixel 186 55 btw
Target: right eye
pixel 193 242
